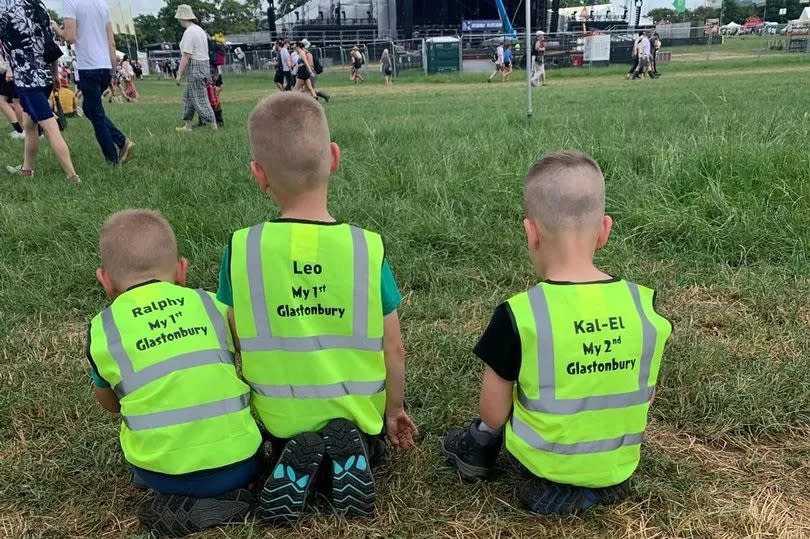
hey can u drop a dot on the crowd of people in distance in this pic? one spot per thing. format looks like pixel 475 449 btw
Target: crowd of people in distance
pixel 297 68
pixel 645 53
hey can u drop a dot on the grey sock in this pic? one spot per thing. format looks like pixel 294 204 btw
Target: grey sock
pixel 484 434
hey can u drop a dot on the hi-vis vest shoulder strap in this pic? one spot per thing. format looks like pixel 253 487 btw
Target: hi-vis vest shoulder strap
pixel 548 402
pixel 265 340
pixel 131 381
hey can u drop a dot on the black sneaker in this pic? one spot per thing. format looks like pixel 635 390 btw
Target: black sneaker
pixel 176 516
pixel 284 495
pixel 473 459
pixel 548 498
pixel 352 482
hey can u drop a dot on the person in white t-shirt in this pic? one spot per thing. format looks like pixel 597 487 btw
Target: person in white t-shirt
pixel 195 64
pixel 87 24
pixel 498 62
pixel 643 56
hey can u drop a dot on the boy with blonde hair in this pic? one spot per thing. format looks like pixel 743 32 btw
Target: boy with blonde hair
pixel 315 312
pixel 572 363
pixel 162 356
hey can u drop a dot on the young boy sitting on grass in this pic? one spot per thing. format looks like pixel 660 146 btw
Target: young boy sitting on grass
pixel 315 313
pixel 162 357
pixel 572 363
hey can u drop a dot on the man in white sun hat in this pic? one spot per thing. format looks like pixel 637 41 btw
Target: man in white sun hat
pixel 194 62
pixel 539 59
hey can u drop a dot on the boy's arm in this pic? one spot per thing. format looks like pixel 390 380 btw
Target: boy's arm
pixel 495 403
pixel 107 398
pixel 400 429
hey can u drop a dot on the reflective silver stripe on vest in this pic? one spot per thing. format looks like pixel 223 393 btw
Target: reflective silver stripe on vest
pixel 188 414
pixel 528 435
pixel 265 341
pixel 131 380
pixel 548 401
pixel 330 391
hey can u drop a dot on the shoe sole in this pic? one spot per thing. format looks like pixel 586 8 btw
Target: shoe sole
pixel 468 472
pixel 284 495
pixel 126 155
pixel 353 490
pixel 181 519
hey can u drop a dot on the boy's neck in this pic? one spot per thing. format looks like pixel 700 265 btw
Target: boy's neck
pixel 575 266
pixel 128 285
pixel 309 206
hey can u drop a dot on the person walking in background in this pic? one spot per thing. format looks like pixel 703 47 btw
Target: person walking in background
pixel 643 56
pixel 539 60
pixel 634 65
pixel 508 55
pixel 87 24
pixel 194 47
pixel 25 30
pixel 9 102
pixel 655 46
pixel 315 71
pixel 286 64
pixel 303 73
pixel 279 76
pixel 498 58
pixel 356 58
pixel 128 73
pixel 386 66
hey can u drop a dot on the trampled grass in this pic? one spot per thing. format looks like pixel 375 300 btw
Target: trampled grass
pixel 708 182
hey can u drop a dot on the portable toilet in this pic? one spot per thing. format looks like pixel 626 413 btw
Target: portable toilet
pixel 441 55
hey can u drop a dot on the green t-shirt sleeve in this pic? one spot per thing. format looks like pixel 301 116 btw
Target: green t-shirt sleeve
pixel 390 294
pixel 98 381
pixel 224 290
pixel 391 297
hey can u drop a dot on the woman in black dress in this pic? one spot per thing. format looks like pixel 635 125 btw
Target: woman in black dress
pixel 304 74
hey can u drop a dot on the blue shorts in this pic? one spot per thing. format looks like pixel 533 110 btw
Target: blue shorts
pixel 205 483
pixel 34 102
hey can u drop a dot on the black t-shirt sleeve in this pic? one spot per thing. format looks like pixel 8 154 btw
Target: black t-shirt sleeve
pixel 499 346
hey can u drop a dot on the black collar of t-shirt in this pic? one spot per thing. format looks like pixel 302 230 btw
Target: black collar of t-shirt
pixel 599 281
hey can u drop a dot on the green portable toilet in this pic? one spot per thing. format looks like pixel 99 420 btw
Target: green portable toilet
pixel 441 55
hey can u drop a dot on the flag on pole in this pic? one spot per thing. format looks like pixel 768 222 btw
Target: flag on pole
pixel 121 20
pixel 679 5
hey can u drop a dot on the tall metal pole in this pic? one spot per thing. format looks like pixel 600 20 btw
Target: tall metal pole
pixel 529 63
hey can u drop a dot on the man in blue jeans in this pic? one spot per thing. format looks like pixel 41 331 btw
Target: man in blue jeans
pixel 87 24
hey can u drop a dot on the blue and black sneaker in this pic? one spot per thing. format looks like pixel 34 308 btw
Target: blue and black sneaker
pixel 284 495
pixel 548 498
pixel 472 451
pixel 352 482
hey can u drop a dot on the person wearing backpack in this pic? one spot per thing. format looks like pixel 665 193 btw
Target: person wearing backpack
pixel 317 69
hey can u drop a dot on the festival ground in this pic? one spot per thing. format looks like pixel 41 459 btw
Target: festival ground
pixel 708 181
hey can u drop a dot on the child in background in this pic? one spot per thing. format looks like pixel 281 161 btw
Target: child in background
pixel 66 97
pixel 315 312
pixel 162 356
pixel 571 365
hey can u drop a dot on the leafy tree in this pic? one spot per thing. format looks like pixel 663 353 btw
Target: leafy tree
pixel 150 29
pixel 55 16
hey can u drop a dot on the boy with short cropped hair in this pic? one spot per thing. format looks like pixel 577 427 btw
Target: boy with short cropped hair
pixel 572 363
pixel 162 356
pixel 315 312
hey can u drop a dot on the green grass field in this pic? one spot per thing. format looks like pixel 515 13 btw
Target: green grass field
pixel 708 181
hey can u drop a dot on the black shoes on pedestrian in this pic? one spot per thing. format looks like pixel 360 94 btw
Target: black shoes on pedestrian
pixel 548 498
pixel 176 516
pixel 352 482
pixel 472 451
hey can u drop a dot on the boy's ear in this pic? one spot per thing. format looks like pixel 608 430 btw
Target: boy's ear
pixel 334 151
pixel 259 176
pixel 106 283
pixel 181 271
pixel 532 234
pixel 604 231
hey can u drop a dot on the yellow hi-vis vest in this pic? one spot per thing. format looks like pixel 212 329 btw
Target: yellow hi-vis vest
pixel 589 364
pixel 308 311
pixel 167 353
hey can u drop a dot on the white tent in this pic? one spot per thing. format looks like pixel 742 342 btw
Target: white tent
pixel 805 16
pixel 730 28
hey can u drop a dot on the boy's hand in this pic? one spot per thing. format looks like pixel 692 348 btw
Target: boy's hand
pixel 400 429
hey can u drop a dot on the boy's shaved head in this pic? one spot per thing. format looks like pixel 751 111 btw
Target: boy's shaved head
pixel 290 139
pixel 137 244
pixel 565 192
